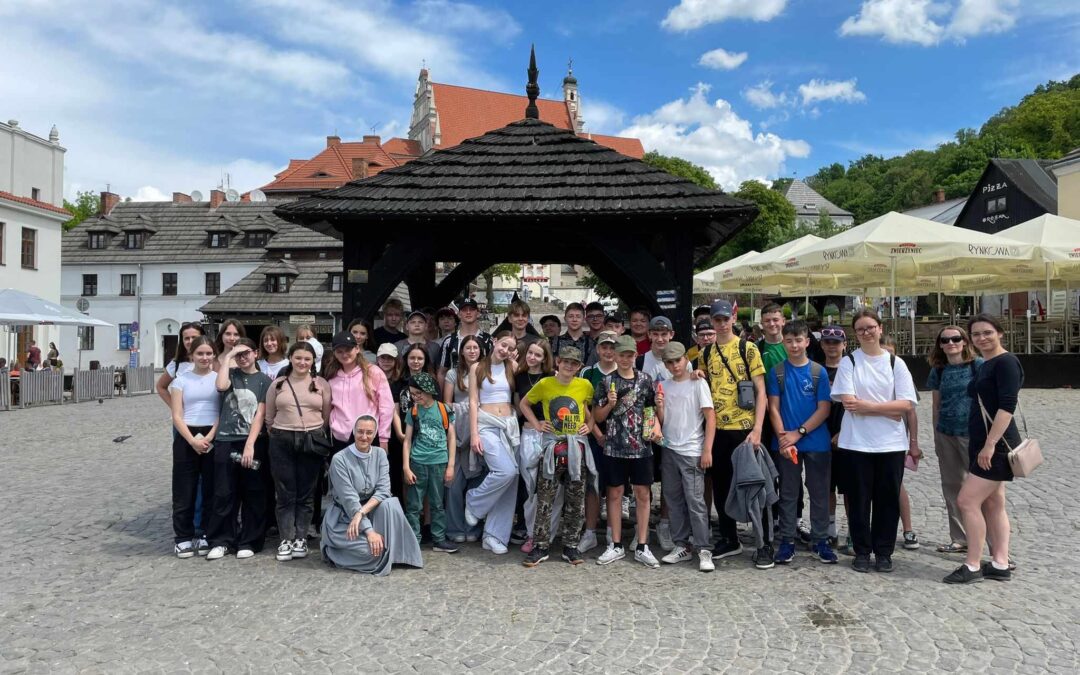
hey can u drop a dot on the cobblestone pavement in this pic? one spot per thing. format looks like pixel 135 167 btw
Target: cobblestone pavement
pixel 88 582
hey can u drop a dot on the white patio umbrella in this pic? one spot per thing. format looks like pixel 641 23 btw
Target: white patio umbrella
pixel 896 246
pixel 22 309
pixel 708 281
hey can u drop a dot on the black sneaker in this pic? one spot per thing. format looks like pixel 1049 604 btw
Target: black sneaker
pixel 763 558
pixel 535 557
pixel 444 546
pixel 861 563
pixel 571 555
pixel 990 572
pixel 883 563
pixel 726 549
pixel 962 575
pixel 518 537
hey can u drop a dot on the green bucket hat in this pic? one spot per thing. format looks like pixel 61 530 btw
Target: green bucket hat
pixel 425 383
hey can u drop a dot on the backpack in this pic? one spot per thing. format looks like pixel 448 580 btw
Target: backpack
pixel 815 373
pixel 416 418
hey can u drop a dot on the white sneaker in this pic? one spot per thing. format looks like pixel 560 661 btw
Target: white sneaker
pixel 201 547
pixel 494 545
pixel 184 549
pixel 217 553
pixel 299 548
pixel 284 551
pixel 663 535
pixel 678 555
pixel 625 508
pixel 646 558
pixel 244 554
pixel 705 563
pixel 587 542
pixel 472 520
pixel 611 554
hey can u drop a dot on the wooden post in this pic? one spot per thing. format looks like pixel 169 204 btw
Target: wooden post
pixel 679 264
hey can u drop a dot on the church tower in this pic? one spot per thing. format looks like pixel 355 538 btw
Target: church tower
pixel 570 96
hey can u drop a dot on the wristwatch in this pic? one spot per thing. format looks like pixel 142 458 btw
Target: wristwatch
pixel 803 431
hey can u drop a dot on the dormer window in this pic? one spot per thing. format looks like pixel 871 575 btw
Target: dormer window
pixel 335 282
pixel 97 240
pixel 277 283
pixel 219 240
pixel 134 240
pixel 258 239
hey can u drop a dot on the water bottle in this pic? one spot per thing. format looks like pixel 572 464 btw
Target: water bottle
pixel 236 457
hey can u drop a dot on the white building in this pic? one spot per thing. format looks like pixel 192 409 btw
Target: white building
pixel 31 219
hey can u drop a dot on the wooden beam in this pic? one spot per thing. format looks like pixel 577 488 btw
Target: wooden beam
pixel 679 265
pixel 458 278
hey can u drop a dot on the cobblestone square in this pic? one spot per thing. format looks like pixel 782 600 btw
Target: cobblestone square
pixel 88 582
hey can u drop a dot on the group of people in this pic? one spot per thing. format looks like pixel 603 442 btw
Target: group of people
pixel 33 359
pixel 444 434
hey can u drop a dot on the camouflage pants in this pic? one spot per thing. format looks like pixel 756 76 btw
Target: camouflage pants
pixel 573 511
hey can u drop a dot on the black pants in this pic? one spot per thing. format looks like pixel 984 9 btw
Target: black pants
pixel 724 444
pixel 322 488
pixel 188 467
pixel 295 474
pixel 397 468
pixel 874 491
pixel 238 491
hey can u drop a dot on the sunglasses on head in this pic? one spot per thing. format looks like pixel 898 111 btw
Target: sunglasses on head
pixel 833 333
pixel 955 339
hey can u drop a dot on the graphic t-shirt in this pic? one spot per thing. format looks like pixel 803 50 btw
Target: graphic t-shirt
pixel 724 387
pixel 654 367
pixel 771 354
pixel 798 403
pixel 684 423
pixel 564 405
pixel 430 445
pixel 952 383
pixel 625 422
pixel 239 404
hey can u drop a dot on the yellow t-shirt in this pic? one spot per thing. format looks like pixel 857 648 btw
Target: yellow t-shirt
pixel 729 416
pixel 564 404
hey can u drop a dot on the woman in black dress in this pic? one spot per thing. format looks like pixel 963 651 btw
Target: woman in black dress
pixel 992 432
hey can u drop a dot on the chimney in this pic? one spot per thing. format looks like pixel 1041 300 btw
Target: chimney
pixel 216 197
pixel 359 168
pixel 181 198
pixel 372 140
pixel 939 196
pixel 331 141
pixel 109 201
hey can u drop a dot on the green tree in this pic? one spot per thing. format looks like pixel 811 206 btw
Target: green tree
pixel 781 184
pixel 505 271
pixel 681 168
pixel 85 205
pixel 774 225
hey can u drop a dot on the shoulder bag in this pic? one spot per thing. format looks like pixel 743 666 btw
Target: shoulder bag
pixel 1027 455
pixel 316 442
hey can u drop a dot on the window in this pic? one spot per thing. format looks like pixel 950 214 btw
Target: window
pixel 213 283
pixel 89 284
pixel 995 206
pixel 97 240
pixel 126 339
pixel 257 239
pixel 29 248
pixel 335 283
pixel 277 283
pixel 569 269
pixel 86 337
pixel 127 284
pixel 35 194
pixel 219 240
pixel 168 283
pixel 135 240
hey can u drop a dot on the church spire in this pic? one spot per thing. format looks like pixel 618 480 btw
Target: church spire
pixel 532 88
pixel 571 98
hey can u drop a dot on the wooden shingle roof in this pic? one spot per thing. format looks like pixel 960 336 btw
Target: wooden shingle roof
pixel 309 292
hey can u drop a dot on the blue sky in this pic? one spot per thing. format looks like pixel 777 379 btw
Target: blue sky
pixel 152 98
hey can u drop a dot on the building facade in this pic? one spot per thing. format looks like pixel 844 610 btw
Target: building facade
pixel 810 206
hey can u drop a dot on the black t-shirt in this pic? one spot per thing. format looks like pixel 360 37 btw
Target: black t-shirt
pixel 836 412
pixel 998 384
pixel 523 382
pixel 383 335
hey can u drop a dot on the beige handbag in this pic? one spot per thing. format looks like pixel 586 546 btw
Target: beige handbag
pixel 1025 457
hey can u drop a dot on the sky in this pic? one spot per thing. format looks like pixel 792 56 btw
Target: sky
pixel 152 97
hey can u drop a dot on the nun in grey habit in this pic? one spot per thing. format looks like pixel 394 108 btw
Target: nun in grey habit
pixel 365 529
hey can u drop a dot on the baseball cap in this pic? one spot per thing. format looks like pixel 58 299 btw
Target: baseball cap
pixel 660 323
pixel 468 303
pixel 387 349
pixel 445 311
pixel 625 343
pixel 416 313
pixel 703 324
pixel 673 350
pixel 833 334
pixel 607 337
pixel 702 310
pixel 570 354
pixel 343 339
pixel 721 308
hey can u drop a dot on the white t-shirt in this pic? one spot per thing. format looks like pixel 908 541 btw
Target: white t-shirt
pixel 684 424
pixel 186 366
pixel 655 368
pixel 872 380
pixel 202 400
pixel 271 370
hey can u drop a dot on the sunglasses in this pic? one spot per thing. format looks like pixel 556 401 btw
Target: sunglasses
pixel 833 333
pixel 955 339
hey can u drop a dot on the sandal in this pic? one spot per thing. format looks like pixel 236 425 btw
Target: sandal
pixel 952 547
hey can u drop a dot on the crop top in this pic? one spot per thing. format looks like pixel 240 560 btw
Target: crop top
pixel 497 391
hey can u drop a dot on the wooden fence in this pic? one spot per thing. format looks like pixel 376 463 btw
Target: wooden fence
pixel 87 385
pixel 5 390
pixel 40 387
pixel 139 380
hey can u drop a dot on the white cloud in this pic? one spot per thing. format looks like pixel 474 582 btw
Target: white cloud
pixel 897 21
pixel 975 17
pixel 691 14
pixel 601 117
pixel 722 59
pixel 762 97
pixel 928 22
pixel 714 136
pixel 830 90
pixel 149 193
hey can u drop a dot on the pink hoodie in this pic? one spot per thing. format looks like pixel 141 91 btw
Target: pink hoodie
pixel 348 400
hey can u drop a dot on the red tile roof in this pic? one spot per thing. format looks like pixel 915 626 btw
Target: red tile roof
pixel 27 201
pixel 331 168
pixel 631 147
pixel 403 148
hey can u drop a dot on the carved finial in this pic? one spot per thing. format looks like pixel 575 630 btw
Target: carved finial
pixel 532 88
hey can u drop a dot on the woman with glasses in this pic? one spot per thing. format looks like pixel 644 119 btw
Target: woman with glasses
pixel 953 365
pixel 995 394
pixel 877 392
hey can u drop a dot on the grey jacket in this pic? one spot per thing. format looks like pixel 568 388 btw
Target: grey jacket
pixel 753 489
pixel 577 447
